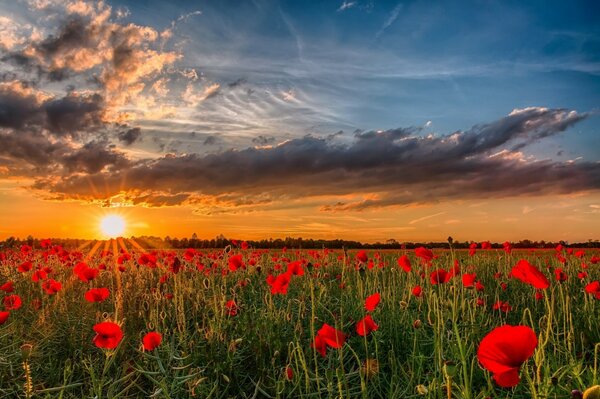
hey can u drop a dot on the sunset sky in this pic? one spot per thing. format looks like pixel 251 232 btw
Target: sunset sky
pixel 364 120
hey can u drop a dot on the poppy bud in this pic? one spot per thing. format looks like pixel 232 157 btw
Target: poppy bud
pixel 26 351
pixel 422 390
pixel 417 324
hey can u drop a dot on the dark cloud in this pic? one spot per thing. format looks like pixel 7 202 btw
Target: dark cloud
pixel 74 113
pixel 130 136
pixel 23 107
pixel 399 165
pixel 212 140
pixel 263 140
pixel 93 157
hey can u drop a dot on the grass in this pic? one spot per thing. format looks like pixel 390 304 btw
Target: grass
pixel 424 347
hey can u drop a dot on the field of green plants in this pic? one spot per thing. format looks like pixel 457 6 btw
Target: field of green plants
pixel 244 323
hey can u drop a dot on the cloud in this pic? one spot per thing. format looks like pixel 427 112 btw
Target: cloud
pixel 130 136
pixel 392 17
pixel 390 168
pixel 346 5
pixel 22 107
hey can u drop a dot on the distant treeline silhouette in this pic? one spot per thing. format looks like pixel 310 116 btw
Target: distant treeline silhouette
pixel 293 243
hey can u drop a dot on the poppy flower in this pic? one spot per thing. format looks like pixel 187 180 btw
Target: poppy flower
pixel 417 291
pixel 504 350
pixel 148 260
pixel 279 284
pixel 529 274
pixel 289 373
pixel 231 307
pixel 7 287
pixel 366 326
pixel 560 275
pixel 593 288
pixel 319 345
pixel 84 272
pixel 51 286
pixel 25 267
pixel 97 294
pixel 372 301
pixel 472 248
pixel 12 302
pixel 502 306
pixel 108 335
pixel 404 263
pixel 295 268
pixel 440 276
pixel 151 341
pixel 235 262
pixel 424 254
pixel 507 247
pixel 328 336
pixel 468 280
pixel 3 317
pixel 362 256
pixel 478 286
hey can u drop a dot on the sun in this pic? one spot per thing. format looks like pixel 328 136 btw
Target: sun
pixel 112 226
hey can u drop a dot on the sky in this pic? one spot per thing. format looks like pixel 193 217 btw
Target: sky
pixel 365 120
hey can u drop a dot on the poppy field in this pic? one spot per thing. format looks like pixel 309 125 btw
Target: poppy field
pixel 129 322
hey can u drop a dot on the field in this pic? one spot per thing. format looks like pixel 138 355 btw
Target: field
pixel 239 323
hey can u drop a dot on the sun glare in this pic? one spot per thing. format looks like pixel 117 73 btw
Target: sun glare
pixel 112 226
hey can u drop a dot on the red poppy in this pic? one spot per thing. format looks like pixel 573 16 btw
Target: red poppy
pixel 440 276
pixel 295 268
pixel 51 286
pixel 151 341
pixel 279 284
pixel 529 274
pixel 319 345
pixel 417 291
pixel 3 317
pixel 97 294
pixel 504 350
pixel 502 306
pixel 539 295
pixel 7 287
pixel 244 245
pixel 12 302
pixel 372 301
pixel 231 307
pixel 486 245
pixel 424 254
pixel 39 275
pixel 404 263
pixel 560 275
pixel 289 373
pixel 362 256
pixel 236 262
pixel 148 260
pixel 328 336
pixel 593 288
pixel 479 286
pixel 84 272
pixel 108 335
pixel 366 326
pixel 507 247
pixel 25 267
pixel 468 280
pixel 472 248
